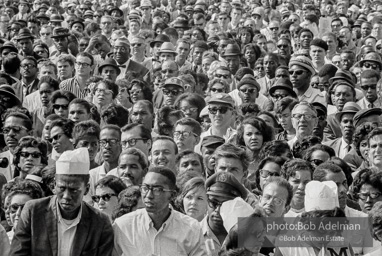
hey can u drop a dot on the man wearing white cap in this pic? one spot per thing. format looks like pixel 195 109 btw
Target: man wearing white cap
pixel 147 21
pixel 63 224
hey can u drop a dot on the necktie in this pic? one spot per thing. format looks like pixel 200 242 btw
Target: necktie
pixel 371 105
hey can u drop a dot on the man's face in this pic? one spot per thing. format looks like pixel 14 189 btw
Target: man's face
pixel 45 93
pixel 133 139
pixel 121 52
pixel 303 120
pixel 284 48
pixel 317 53
pixel 183 50
pixel 61 44
pixel 377 30
pixel 347 60
pixel 248 93
pixel 347 127
pixel 201 23
pixel 169 69
pixel 112 148
pixel 141 114
pixel 336 26
pixel 342 186
pixel 83 66
pixel 15 131
pixel 190 162
pixel 197 55
pixel 231 165
pixel 305 39
pixel 224 74
pixel 369 88
pixel 64 70
pixel 26 45
pixel 346 35
pixel 220 114
pixel 332 44
pixel 215 221
pixel 365 29
pixel 236 15
pixel 28 68
pixel 270 65
pixel 223 21
pixel 130 167
pixel 222 45
pixel 262 43
pixel 163 154
pixel 273 200
pixel 185 138
pixel 45 34
pixel 375 151
pixel 134 27
pixel 299 76
pixel 70 192
pixel 106 25
pixel 171 93
pixel 342 94
pixel 47 71
pixel 33 27
pixel 109 72
pixel 156 203
pixel 274 28
pixel 233 63
pixel 4 22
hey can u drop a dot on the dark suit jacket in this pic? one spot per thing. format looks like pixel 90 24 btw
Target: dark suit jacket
pixel 332 129
pixel 36 232
pixel 18 87
pixel 334 144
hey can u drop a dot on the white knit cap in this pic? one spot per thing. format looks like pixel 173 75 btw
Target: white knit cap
pixel 74 162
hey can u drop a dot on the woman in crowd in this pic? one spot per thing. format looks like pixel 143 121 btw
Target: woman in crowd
pixel 198 34
pixel 29 153
pixel 129 200
pixel 188 160
pixel 276 148
pixel 139 90
pixel 268 167
pixel 191 104
pixel 123 97
pixel 207 59
pixel 269 118
pixel 60 103
pixel 318 154
pixel 192 199
pixel 252 53
pixel 283 111
pixel 217 85
pixel 245 36
pixel 106 195
pixel 41 49
pixel 105 92
pixel 80 110
pixel 61 136
pixel 166 119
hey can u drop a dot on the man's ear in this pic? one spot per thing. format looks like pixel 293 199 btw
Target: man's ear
pixel 87 189
pixel 150 143
pixel 197 140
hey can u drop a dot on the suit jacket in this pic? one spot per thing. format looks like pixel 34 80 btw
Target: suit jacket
pixel 332 129
pixel 36 233
pixel 142 72
pixel 18 87
pixel 334 144
pixel 264 86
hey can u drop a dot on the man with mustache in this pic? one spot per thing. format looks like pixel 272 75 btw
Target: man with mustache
pixel 172 233
pixel 342 145
pixel 221 187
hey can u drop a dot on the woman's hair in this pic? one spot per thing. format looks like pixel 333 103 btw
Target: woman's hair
pixel 290 168
pixel 365 176
pixel 259 124
pixel 85 128
pixel 160 25
pixel 300 146
pixel 115 114
pixel 49 80
pixel 251 109
pixel 192 98
pixel 194 183
pixel 86 104
pixel 246 30
pixel 269 114
pixel 112 182
pixel 287 102
pixel 66 125
pixel 26 187
pixel 147 93
pixel 220 81
pixel 270 159
pixel 361 132
pixel 110 85
pixel 62 94
pixel 127 200
pixel 318 147
pixel 186 153
pixel 254 47
pixel 31 142
pixel 375 215
pixel 182 178
pixel 275 148
pixel 202 32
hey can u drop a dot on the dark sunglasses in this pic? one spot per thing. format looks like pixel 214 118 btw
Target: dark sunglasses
pixel 279 96
pixel 282 46
pixel 297 72
pixel 316 162
pixel 105 197
pixel 58 106
pixel 167 92
pixel 33 154
pixel 369 86
pixel 222 76
pixel 369 65
pixel 248 91
pixel 217 90
pixel 55 137
pixel 222 110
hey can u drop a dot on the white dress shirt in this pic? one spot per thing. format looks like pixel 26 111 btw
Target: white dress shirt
pixel 344 149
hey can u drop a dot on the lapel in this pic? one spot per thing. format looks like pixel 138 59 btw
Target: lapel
pixel 82 232
pixel 51 224
pixel 337 146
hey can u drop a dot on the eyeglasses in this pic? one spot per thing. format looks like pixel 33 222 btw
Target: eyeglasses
pixel 131 142
pixel 214 110
pixel 281 46
pixel 307 117
pixel 223 76
pixel 111 142
pixel 85 144
pixel 104 91
pixel 122 90
pixel 266 173
pixel 369 86
pixel 135 91
pixel 13 208
pixel 369 65
pixel 165 71
pixel 136 45
pixel 364 196
pixel 14 129
pixel 316 162
pixel 157 191
pixel 27 66
pixel 58 106
pixel 274 29
pixel 84 45
pixel 248 91
pixel 33 154
pixel 105 197
pixel 213 203
pixel 192 110
pixel 55 137
pixel 219 90
pixel 279 96
pixel 167 92
pixel 278 201
pixel 297 72
pixel 184 134
pixel 40 52
pixel 82 64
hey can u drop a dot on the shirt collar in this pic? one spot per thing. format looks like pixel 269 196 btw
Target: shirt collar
pixel 60 218
pixel 148 222
pixel 308 93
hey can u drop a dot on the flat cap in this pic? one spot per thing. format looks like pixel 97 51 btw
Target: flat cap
pixel 357 119
pixel 212 140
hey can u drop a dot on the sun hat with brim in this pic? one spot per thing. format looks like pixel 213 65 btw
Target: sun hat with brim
pixel 282 84
pixel 320 108
pixel 88 13
pixel 8 91
pixel 109 62
pixel 222 98
pixel 371 57
pixel 9 45
pixel 174 81
pixel 56 18
pixel 365 113
pixel 24 33
pixel 304 62
pixel 167 47
pixel 60 32
pixel 212 139
pixel 349 108
pixel 42 16
pixel 160 38
pixel 232 50
pixel 248 79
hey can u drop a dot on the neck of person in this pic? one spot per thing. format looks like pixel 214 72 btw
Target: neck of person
pixel 140 57
pixel 300 91
pixel 82 80
pixel 220 131
pixel 219 232
pixel 160 217
pixel 270 76
pixel 107 34
pixel 319 64
pixel 291 131
pixel 330 54
pixel 23 174
pixel 110 165
pixel 252 154
pixel 69 215
pixel 180 61
pixel 297 205
pixel 29 80
pixel 347 139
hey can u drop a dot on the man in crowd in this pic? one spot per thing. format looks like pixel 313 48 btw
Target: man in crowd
pixel 163 152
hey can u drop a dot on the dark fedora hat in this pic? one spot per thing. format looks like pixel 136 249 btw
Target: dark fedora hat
pixel 8 91
pixel 9 45
pixel 181 23
pixel 109 62
pixel 160 38
pixel 60 32
pixel 78 21
pixel 232 49
pixel 56 18
pixel 349 108
pixel 116 9
pixel 283 84
pixel 365 113
pixel 42 16
pixel 24 33
pixel 342 76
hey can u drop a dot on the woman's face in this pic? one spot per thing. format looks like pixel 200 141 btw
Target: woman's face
pixel 364 149
pixel 29 158
pixel 60 141
pixel 91 143
pixel 108 205
pixel 45 132
pixel 217 88
pixel 78 113
pixel 136 93
pixel 188 109
pixel 195 203
pixel 16 206
pixel 206 63
pixel 245 38
pixel 368 196
pixel 103 95
pixel 268 170
pixel 298 182
pixel 40 51
pixel 253 138
pixel 123 95
pixel 196 35
pixel 250 55
pixel 60 107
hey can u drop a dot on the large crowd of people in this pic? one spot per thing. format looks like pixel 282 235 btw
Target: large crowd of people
pixel 181 127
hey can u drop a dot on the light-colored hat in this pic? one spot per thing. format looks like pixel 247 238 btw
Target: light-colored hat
pixel 74 162
pixel 302 61
pixel 123 40
pixel 232 210
pixel 146 3
pixel 321 196
pixel 167 47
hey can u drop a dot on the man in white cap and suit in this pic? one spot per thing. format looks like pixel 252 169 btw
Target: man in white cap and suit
pixel 63 224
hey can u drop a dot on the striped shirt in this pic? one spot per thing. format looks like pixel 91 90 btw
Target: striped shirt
pixel 73 86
